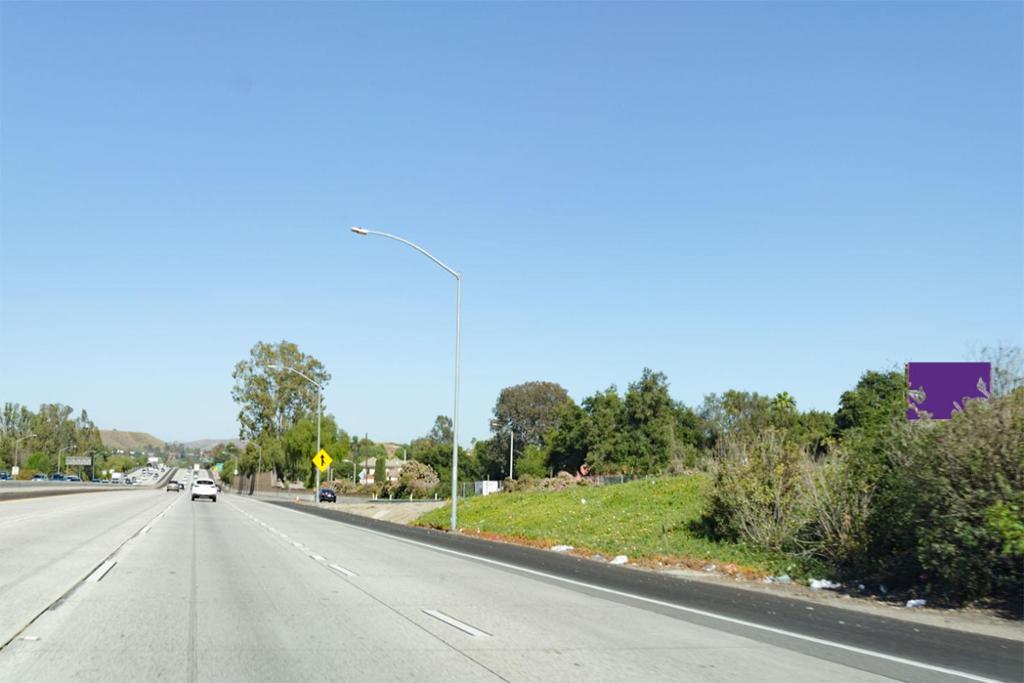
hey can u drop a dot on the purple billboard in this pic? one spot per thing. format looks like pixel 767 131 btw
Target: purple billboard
pixel 940 389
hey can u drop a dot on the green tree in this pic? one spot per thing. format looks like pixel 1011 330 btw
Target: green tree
pixel 649 424
pixel 299 446
pixel 603 433
pixel 567 442
pixel 442 431
pixel 492 456
pixel 40 462
pixel 532 463
pixel 15 423
pixel 380 471
pixel 878 399
pixel 533 408
pixel 271 398
pixel 739 414
pixel 53 428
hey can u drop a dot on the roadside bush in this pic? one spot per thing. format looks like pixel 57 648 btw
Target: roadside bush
pixel 839 508
pixel 1006 522
pixel 967 478
pixel 415 480
pixel 344 487
pixel 560 482
pixel 760 493
pixel 945 502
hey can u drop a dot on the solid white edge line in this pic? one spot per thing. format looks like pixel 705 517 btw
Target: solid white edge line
pixel 690 610
pixel 461 625
pixel 318 558
pixel 341 570
pixel 146 529
pixel 101 571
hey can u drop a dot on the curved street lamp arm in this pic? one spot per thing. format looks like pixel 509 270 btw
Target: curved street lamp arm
pixel 363 231
pixel 300 374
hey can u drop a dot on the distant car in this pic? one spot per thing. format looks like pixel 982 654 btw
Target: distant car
pixel 173 485
pixel 39 477
pixel 328 496
pixel 4 476
pixel 74 477
pixel 204 488
pixel 57 476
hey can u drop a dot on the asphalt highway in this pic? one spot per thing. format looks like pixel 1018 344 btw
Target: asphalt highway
pixel 148 585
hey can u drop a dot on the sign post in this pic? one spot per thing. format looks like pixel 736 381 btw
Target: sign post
pixel 322 460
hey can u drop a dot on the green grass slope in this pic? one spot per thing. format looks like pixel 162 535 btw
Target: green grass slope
pixel 651 521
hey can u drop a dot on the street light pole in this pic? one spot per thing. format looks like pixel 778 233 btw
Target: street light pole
pixel 17 460
pixel 319 412
pixel 458 348
pixel 259 466
pixel 58 456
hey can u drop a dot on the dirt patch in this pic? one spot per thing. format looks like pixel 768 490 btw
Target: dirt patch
pixel 399 513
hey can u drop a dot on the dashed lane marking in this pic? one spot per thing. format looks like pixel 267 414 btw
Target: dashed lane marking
pixel 461 625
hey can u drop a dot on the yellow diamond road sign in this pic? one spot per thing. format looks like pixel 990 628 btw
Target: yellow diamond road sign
pixel 322 460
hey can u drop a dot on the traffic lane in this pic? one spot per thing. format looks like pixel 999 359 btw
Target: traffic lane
pixel 204 582
pixel 52 543
pixel 985 656
pixel 536 628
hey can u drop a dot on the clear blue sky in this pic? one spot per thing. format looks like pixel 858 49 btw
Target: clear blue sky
pixel 758 196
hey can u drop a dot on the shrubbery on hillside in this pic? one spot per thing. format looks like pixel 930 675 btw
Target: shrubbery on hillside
pixel 932 504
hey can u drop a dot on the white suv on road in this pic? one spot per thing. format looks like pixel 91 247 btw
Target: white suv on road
pixel 204 488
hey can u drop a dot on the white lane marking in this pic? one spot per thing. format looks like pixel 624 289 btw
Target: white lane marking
pixel 146 529
pixel 101 571
pixel 461 625
pixel 318 558
pixel 29 638
pixel 341 570
pixel 681 608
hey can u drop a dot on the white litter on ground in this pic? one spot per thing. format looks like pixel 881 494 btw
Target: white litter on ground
pixel 619 559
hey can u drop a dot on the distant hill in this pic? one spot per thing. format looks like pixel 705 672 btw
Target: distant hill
pixel 129 441
pixel 203 444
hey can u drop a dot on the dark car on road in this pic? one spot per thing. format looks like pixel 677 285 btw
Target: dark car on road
pixel 4 476
pixel 328 496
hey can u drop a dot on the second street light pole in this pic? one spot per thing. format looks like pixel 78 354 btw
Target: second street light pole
pixel 319 412
pixel 458 347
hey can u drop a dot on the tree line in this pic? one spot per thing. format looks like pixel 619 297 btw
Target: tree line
pixel 37 441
